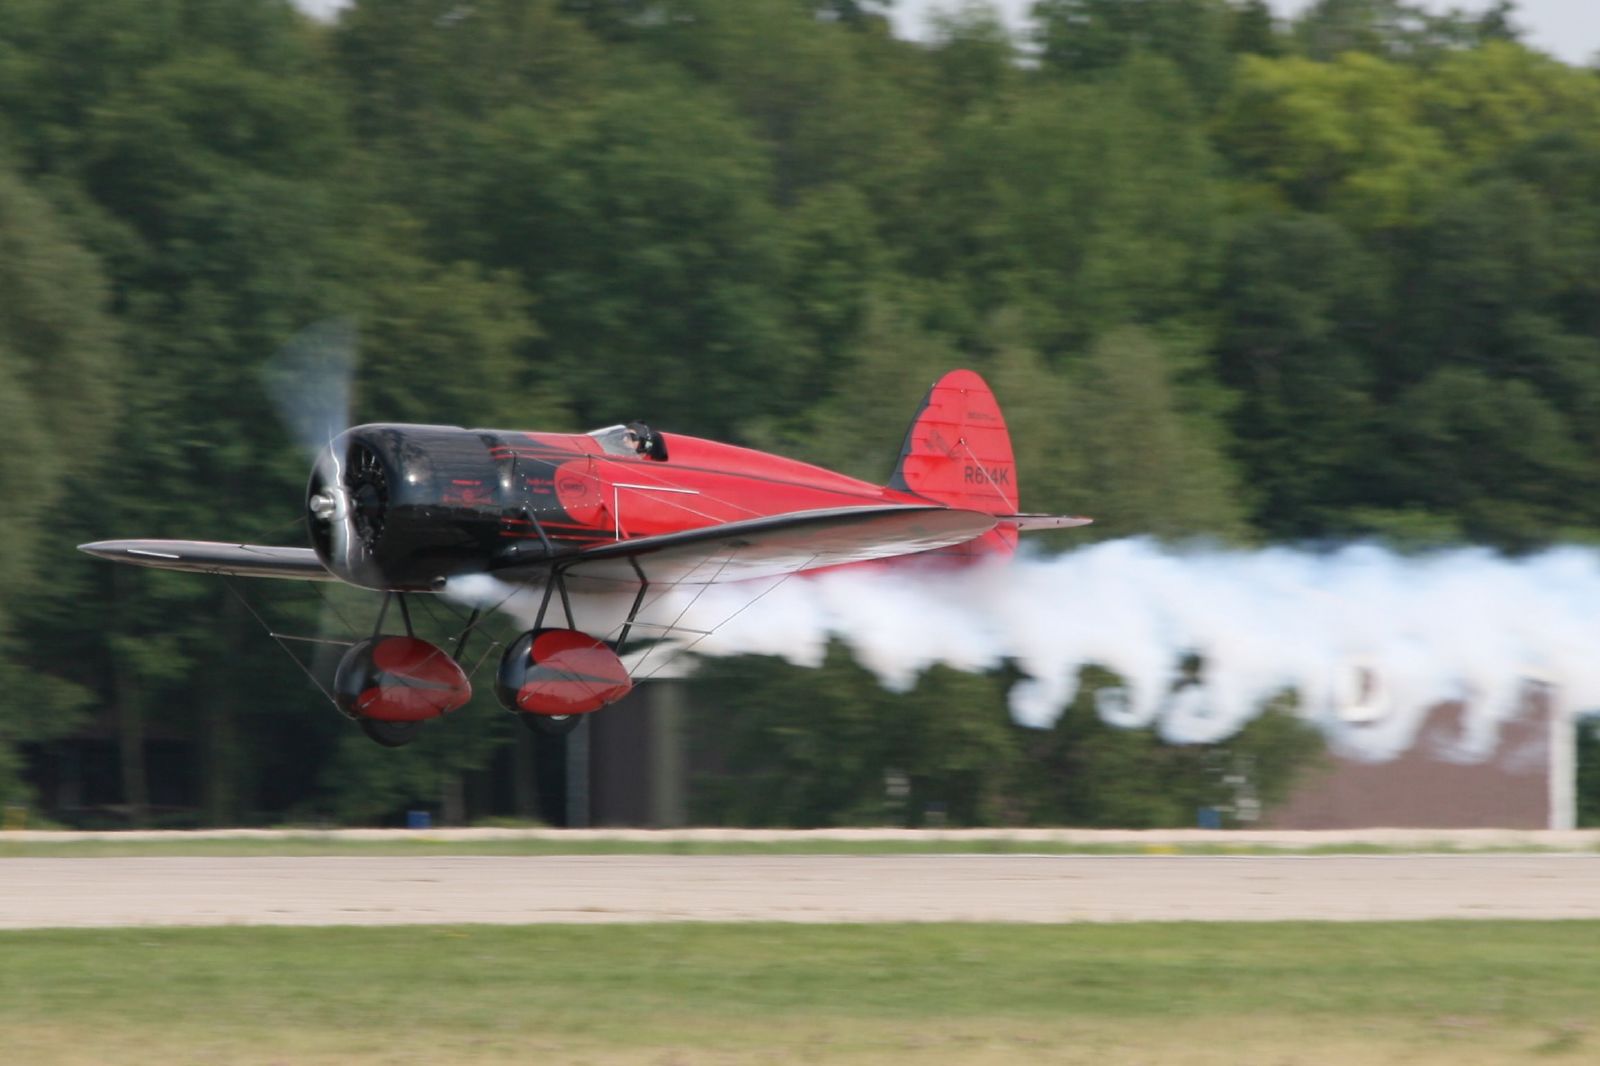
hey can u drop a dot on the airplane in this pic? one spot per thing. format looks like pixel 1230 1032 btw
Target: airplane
pixel 404 509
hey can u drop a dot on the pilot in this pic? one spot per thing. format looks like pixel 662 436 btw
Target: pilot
pixel 645 441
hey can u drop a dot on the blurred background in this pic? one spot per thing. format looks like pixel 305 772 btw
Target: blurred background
pixel 1233 275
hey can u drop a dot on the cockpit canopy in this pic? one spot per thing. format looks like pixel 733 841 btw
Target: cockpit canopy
pixel 633 440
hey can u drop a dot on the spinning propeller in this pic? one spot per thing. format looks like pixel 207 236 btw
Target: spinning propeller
pixel 311 382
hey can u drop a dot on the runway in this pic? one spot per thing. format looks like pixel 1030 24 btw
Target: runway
pixel 72 892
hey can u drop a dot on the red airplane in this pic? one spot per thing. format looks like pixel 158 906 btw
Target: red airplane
pixel 405 508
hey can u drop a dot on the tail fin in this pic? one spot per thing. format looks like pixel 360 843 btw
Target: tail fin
pixel 958 450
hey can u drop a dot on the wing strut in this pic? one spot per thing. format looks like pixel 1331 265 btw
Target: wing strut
pixel 279 638
pixel 461 641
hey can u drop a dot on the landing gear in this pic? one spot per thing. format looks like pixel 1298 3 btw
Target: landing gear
pixel 558 673
pixel 550 725
pixel 390 734
pixel 548 677
pixel 389 685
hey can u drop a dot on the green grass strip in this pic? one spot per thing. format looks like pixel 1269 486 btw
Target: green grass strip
pixel 1456 992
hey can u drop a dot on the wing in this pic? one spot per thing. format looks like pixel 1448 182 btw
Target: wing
pixel 735 551
pixel 769 547
pixel 210 557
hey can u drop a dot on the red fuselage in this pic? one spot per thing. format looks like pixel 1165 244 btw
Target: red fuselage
pixel 588 489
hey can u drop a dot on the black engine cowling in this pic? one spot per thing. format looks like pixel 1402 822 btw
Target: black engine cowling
pixel 406 507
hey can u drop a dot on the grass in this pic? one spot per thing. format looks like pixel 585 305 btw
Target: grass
pixel 313 844
pixel 1201 994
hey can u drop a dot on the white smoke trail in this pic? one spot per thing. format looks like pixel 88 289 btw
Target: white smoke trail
pixel 1464 625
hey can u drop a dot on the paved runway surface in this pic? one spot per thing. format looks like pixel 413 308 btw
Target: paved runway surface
pixel 813 888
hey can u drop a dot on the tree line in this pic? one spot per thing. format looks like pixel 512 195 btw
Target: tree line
pixel 1230 276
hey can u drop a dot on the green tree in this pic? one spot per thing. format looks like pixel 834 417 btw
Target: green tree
pixel 1486 102
pixel 837 264
pixel 1488 452
pixel 1087 772
pixel 444 343
pixel 1082 38
pixel 1038 403
pixel 414 68
pixel 859 426
pixel 646 237
pixel 830 746
pixel 809 90
pixel 1588 787
pixel 1396 29
pixel 1255 31
pixel 1092 206
pixel 975 58
pixel 1301 308
pixel 60 367
pixel 855 13
pixel 1488 256
pixel 216 171
pixel 59 62
pixel 1347 137
pixel 1140 463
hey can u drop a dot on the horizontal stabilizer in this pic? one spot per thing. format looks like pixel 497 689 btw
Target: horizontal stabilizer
pixel 211 557
pixel 1026 522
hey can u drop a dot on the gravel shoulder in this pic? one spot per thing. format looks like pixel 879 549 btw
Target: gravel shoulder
pixel 1281 839
pixel 398 890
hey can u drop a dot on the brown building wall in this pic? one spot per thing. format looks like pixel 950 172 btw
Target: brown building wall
pixel 1419 790
pixel 637 762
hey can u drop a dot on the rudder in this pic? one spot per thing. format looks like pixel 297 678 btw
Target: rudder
pixel 958 450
